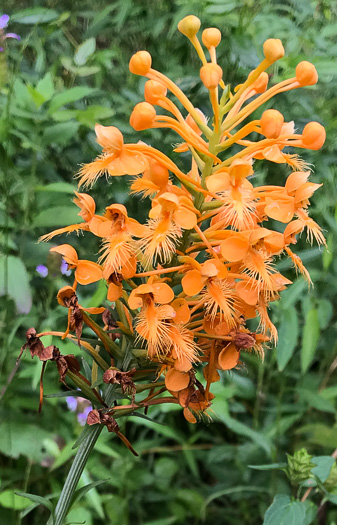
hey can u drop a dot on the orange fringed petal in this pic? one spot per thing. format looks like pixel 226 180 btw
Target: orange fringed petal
pixel 229 357
pixel 176 380
pixel 68 253
pixel 192 282
pixel 88 272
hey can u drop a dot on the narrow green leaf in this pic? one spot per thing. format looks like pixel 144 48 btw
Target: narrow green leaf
pixel 311 333
pixel 57 187
pixel 9 499
pixel 57 216
pixel 83 490
pixel 288 335
pixel 271 466
pixel 37 499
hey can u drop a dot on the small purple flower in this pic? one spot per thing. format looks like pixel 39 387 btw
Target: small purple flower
pixel 72 403
pixel 4 19
pixel 64 268
pixel 42 270
pixel 82 416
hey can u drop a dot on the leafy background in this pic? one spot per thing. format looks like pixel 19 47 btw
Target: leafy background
pixel 69 71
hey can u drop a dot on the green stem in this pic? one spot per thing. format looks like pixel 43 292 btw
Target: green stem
pixel 77 467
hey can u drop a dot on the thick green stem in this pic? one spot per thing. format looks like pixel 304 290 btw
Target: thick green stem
pixel 77 468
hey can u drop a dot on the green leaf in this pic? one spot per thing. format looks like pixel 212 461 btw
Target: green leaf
pixel 283 511
pixel 12 500
pixel 84 51
pixel 271 466
pixel 57 187
pixel 325 312
pixel 93 114
pixel 57 216
pixel 291 295
pixel 288 335
pixel 45 87
pixel 17 438
pixel 311 333
pixel 83 490
pixel 316 400
pixel 37 499
pixel 70 95
pixel 14 281
pixel 34 15
pixel 36 96
pixel 59 133
pixel 324 464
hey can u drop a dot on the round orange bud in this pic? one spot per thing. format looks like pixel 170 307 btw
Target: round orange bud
pixel 273 49
pixel 140 63
pixel 191 122
pixel 271 123
pixel 313 135
pixel 157 173
pixel 143 116
pixel 210 75
pixel 211 37
pixel 306 73
pixel 189 26
pixel 153 91
pixel 261 83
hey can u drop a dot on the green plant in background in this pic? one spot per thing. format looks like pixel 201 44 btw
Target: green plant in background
pixel 290 410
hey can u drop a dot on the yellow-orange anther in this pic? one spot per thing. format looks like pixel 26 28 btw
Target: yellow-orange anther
pixel 273 49
pixel 306 73
pixel 191 122
pixel 211 37
pixel 261 83
pixel 189 26
pixel 271 123
pixel 153 91
pixel 142 116
pixel 210 75
pixel 140 63
pixel 313 135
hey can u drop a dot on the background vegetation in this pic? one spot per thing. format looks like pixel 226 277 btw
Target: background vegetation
pixel 69 71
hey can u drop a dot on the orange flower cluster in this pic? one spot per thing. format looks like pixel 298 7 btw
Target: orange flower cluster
pixel 185 283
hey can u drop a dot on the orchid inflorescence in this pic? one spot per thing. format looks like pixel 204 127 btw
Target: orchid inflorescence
pixel 181 287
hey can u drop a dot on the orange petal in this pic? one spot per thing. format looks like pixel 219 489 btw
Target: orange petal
pixel 235 248
pixel 182 311
pixel 176 380
pixel 129 269
pixel 162 293
pixel 87 205
pixel 68 253
pixel 229 357
pixel 114 292
pixel 280 211
pixel 189 416
pixel 182 364
pixel 185 218
pixel 65 292
pixel 93 310
pixel 209 269
pixel 295 180
pixel 192 282
pixel 247 292
pixel 135 301
pixel 274 154
pixel 88 272
pixel 100 226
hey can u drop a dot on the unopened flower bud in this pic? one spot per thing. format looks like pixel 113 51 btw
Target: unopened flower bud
pixel 273 49
pixel 143 116
pixel 299 466
pixel 140 63
pixel 211 37
pixel 313 135
pixel 306 73
pixel 210 75
pixel 189 26
pixel 261 83
pixel 154 91
pixel 271 123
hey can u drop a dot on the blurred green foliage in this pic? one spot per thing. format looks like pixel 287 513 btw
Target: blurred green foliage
pixel 69 71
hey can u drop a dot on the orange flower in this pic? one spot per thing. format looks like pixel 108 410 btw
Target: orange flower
pixel 86 272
